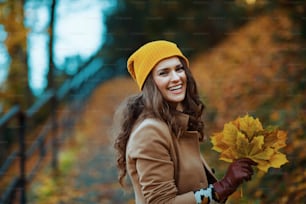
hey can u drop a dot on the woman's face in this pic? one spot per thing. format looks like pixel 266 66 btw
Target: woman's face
pixel 170 78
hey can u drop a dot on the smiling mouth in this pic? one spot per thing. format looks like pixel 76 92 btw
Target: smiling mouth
pixel 174 88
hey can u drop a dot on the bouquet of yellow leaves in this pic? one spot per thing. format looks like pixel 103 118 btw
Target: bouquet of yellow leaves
pixel 246 138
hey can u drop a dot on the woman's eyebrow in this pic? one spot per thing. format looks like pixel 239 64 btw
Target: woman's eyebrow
pixel 176 66
pixel 162 69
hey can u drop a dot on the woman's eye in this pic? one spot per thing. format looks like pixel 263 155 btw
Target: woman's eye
pixel 162 73
pixel 180 69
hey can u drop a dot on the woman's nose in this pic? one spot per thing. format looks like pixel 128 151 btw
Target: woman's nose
pixel 174 76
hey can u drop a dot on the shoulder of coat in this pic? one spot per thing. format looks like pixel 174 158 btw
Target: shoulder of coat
pixel 151 126
pixel 151 123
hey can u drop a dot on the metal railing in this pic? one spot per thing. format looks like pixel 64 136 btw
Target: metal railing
pixel 36 143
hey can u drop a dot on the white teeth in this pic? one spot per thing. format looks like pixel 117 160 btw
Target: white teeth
pixel 175 87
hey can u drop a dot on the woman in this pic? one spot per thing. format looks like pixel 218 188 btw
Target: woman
pixel 160 130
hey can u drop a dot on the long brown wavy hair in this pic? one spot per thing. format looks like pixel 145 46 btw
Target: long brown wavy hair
pixel 150 103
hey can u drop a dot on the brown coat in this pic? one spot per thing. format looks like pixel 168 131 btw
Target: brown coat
pixel 164 168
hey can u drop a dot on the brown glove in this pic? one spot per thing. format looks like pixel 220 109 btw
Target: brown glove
pixel 237 172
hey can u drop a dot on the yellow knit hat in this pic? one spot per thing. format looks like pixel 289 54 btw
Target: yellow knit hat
pixel 143 60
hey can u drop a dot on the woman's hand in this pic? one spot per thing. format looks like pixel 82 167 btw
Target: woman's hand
pixel 238 171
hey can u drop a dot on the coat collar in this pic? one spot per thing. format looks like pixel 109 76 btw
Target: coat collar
pixel 183 120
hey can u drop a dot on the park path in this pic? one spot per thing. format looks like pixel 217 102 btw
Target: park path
pixel 89 173
pixel 91 177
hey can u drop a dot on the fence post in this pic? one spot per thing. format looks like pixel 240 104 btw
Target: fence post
pixel 22 157
pixel 54 133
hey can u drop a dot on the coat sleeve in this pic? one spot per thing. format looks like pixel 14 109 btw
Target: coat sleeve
pixel 210 174
pixel 150 149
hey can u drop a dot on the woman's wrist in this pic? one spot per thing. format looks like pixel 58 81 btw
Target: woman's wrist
pixel 215 195
pixel 206 195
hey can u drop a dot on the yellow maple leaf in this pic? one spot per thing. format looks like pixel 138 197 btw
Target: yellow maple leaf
pixel 262 165
pixel 217 141
pixel 230 133
pixel 245 137
pixel 281 139
pixel 256 145
pixel 249 125
pixel 242 144
pixel 228 155
pixel 277 160
pixel 275 138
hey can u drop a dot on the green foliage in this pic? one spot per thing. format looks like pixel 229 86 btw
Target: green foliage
pixel 67 160
pixel 194 25
pixel 51 187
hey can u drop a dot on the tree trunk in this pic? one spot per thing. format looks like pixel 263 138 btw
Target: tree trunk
pixel 51 83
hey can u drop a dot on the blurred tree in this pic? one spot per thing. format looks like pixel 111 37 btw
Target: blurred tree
pixel 194 25
pixel 16 88
pixel 51 46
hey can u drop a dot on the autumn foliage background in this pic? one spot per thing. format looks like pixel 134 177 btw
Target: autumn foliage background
pixel 243 64
pixel 260 70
